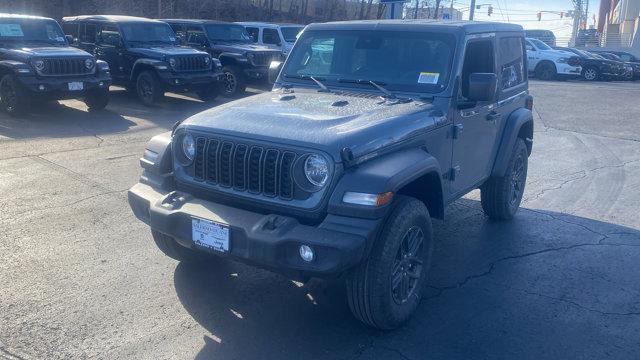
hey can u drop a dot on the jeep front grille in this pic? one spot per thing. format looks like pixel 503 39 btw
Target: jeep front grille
pixel 191 63
pixel 264 59
pixel 65 66
pixel 245 167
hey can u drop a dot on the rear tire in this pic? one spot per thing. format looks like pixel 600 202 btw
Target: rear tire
pixel 501 196
pixel 12 96
pixel 385 290
pixel 233 83
pixel 172 249
pixel 148 88
pixel 97 99
pixel 546 71
pixel 590 74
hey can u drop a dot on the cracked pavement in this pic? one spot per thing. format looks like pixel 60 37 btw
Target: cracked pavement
pixel 81 277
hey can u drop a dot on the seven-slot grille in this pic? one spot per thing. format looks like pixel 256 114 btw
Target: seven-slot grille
pixel 244 167
pixel 191 63
pixel 65 66
pixel 264 59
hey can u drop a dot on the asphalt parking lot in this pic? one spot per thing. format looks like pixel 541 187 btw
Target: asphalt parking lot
pixel 81 277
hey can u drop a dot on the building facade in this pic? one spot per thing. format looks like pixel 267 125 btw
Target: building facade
pixel 618 23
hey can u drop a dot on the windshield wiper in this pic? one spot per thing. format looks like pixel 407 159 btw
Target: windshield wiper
pixel 323 87
pixel 387 94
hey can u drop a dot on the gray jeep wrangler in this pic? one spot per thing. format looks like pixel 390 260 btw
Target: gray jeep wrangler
pixel 371 129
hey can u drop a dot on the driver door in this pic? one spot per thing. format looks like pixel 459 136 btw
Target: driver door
pixel 109 47
pixel 476 123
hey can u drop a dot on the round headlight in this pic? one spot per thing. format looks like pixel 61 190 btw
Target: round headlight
pixel 172 62
pixel 189 147
pixel 39 65
pixel 89 64
pixel 316 169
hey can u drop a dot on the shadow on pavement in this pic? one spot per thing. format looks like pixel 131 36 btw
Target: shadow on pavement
pixel 545 285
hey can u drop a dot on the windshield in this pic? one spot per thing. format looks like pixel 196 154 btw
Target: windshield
pixel 224 32
pixel 401 61
pixel 540 45
pixel 31 30
pixel 148 33
pixel 290 33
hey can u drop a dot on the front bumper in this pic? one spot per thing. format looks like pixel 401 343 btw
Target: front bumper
pixel 256 73
pixel 188 81
pixel 566 69
pixel 266 240
pixel 58 87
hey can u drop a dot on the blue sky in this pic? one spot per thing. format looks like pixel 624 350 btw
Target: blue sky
pixel 524 13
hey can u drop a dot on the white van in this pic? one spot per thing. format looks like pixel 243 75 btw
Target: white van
pixel 281 36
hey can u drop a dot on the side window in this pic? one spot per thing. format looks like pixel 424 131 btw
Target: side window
pixel 253 32
pixel 478 58
pixel 625 57
pixel 529 46
pixel 70 29
pixel 195 35
pixel 109 36
pixel 511 54
pixel 270 36
pixel 87 33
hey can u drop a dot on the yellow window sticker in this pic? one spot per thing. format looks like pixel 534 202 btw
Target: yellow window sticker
pixel 428 78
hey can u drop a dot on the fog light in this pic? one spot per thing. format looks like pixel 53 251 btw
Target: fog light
pixel 41 87
pixel 306 253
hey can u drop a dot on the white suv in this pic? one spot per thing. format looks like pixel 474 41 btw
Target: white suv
pixel 548 64
pixel 281 36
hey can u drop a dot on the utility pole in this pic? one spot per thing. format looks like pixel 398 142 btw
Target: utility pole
pixel 577 18
pixel 472 9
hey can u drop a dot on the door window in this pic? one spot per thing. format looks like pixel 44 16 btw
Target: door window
pixel 109 36
pixel 195 35
pixel 70 29
pixel 511 62
pixel 253 32
pixel 88 33
pixel 478 58
pixel 270 36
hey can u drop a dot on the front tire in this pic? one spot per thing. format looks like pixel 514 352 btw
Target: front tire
pixel 172 249
pixel 233 82
pixel 501 196
pixel 148 88
pixel 97 99
pixel 590 74
pixel 385 290
pixel 546 71
pixel 12 97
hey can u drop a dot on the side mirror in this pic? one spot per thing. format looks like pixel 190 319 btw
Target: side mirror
pixel 274 71
pixel 482 86
pixel 69 39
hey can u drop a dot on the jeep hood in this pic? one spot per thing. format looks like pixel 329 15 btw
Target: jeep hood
pixel 242 48
pixel 158 52
pixel 52 51
pixel 323 121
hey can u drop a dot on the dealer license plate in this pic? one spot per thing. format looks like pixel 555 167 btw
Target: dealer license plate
pixel 209 234
pixel 76 86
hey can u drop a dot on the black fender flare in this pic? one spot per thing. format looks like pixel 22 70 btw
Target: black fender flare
pixel 519 124
pixel 229 58
pixel 145 62
pixel 157 162
pixel 12 66
pixel 387 173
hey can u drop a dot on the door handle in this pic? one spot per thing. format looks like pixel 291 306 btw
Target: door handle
pixel 493 116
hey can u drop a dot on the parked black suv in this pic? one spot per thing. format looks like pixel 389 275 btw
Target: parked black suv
pixel 595 67
pixel 37 63
pixel 631 62
pixel 145 55
pixel 372 128
pixel 243 61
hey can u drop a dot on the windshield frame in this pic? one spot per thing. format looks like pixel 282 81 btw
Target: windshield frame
pixel 42 22
pixel 209 34
pixel 127 40
pixel 346 82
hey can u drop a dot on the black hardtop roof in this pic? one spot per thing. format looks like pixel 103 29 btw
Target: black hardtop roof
pixel 111 18
pixel 23 17
pixel 197 21
pixel 465 27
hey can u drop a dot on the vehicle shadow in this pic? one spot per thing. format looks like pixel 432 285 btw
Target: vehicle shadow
pixel 478 299
pixel 71 118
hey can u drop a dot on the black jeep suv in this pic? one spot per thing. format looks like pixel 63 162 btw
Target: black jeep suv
pixel 243 61
pixel 145 56
pixel 37 63
pixel 372 128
